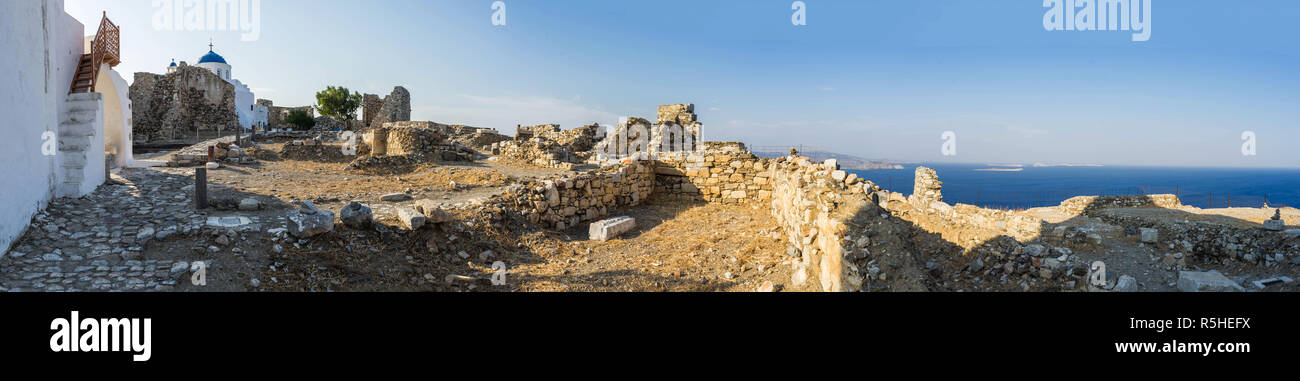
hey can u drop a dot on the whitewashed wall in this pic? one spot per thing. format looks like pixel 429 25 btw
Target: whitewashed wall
pixel 41 46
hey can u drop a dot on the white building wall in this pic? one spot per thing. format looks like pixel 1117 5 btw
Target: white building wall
pixel 117 114
pixel 41 45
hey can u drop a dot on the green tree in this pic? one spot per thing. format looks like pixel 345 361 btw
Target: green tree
pixel 338 103
pixel 300 119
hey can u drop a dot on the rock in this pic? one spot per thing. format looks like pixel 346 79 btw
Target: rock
pixel 607 229
pixel 357 215
pixel 51 257
pixel 800 276
pixel 213 165
pixel 178 268
pixel 839 175
pixel 395 197
pixel 144 235
pixel 1209 281
pixel 767 287
pixel 792 251
pixel 1035 250
pixel 222 240
pixel 975 266
pixel 163 234
pixel 1274 225
pixel 1126 284
pixel 249 204
pixel 1150 235
pixel 255 283
pixel 410 218
pixel 433 213
pixel 310 225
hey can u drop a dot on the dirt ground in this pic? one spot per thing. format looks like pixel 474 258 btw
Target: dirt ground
pixel 667 252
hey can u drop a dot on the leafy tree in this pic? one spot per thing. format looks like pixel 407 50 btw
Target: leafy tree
pixel 338 103
pixel 300 119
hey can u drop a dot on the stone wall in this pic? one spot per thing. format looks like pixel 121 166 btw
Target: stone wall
pixel 396 108
pixel 1088 204
pixel 827 218
pixel 275 114
pixel 188 104
pixel 565 202
pixel 676 131
pixel 721 172
pixel 420 141
pixel 548 146
pixel 926 189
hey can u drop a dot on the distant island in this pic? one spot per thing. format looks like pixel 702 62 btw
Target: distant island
pixel 845 161
pixel 1000 169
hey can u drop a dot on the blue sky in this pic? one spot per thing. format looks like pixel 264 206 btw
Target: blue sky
pixel 877 79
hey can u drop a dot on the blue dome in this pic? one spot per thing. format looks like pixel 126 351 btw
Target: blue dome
pixel 173 64
pixel 212 57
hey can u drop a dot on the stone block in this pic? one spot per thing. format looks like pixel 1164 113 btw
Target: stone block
pixel 410 218
pixel 1150 235
pixel 1209 281
pixel 304 225
pixel 607 229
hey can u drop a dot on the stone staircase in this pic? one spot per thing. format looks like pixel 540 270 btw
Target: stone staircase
pixel 81 159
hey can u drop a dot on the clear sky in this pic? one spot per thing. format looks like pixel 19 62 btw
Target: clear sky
pixel 877 79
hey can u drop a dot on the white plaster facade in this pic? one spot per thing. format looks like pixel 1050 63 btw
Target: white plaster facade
pixel 42 45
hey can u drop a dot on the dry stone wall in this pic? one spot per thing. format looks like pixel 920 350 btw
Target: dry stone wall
pixel 565 202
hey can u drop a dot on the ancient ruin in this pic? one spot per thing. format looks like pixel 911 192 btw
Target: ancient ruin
pixel 188 104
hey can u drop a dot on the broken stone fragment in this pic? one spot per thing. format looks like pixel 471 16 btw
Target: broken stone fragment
pixel 1126 284
pixel 1150 235
pixel 410 218
pixel 303 225
pixel 249 204
pixel 607 229
pixel 433 212
pixel 357 215
pixel 1208 281
pixel 395 197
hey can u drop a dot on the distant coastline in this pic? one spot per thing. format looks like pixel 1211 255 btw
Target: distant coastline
pixel 1000 169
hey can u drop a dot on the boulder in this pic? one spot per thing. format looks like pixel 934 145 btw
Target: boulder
pixel 1274 225
pixel 607 229
pixel 1126 284
pixel 1208 281
pixel 357 215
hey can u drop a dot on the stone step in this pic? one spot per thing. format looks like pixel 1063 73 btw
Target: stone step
pixel 74 143
pixel 79 116
pixel 76 129
pixel 73 159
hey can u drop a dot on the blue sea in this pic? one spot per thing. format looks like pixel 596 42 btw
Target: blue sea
pixel 1048 186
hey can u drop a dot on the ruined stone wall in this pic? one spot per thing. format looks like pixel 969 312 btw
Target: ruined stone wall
pixel 396 108
pixel 568 201
pixel 370 106
pixel 188 104
pixel 721 172
pixel 827 217
pixel 548 146
pixel 1088 204
pixel 275 114
pixel 676 131
pixel 536 152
